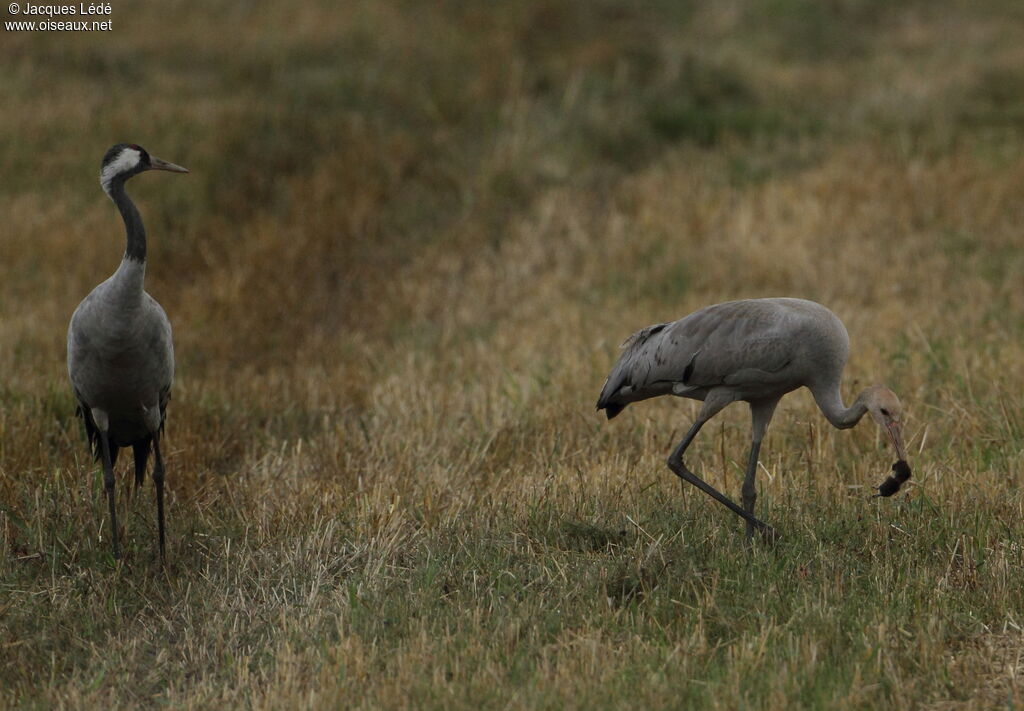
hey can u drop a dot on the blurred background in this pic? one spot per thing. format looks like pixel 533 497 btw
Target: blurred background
pixel 414 234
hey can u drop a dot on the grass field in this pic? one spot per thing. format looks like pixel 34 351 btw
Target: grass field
pixel 413 236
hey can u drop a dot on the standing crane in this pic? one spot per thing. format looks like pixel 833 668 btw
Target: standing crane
pixel 755 350
pixel 120 354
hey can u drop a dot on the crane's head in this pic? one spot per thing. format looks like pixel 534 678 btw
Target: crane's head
pixel 887 410
pixel 127 159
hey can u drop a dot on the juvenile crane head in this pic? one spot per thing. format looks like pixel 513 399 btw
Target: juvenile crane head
pixel 887 410
pixel 124 160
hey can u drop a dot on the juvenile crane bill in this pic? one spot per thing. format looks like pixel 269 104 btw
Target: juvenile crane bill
pixel 899 476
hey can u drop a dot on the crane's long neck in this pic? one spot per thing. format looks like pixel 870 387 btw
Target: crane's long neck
pixel 830 401
pixel 136 232
pixel 131 275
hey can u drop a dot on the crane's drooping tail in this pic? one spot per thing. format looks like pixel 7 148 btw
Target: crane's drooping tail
pixel 624 373
pixel 619 377
pixel 92 432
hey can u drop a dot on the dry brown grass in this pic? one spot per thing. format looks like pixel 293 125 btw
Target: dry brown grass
pixel 411 241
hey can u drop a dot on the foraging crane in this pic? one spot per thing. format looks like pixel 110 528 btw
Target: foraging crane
pixel 120 355
pixel 755 350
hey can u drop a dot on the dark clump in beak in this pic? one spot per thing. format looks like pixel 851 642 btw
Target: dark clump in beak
pixel 899 476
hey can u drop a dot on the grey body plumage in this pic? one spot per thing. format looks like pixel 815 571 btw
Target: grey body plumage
pixel 754 350
pixel 120 351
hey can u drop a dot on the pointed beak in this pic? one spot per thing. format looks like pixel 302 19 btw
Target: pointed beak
pixel 895 434
pixel 157 164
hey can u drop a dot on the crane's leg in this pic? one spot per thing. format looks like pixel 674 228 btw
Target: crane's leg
pixel 760 414
pixel 749 487
pixel 675 463
pixel 108 485
pixel 158 479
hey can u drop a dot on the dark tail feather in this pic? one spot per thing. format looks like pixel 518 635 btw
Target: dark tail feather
pixel 141 450
pixel 92 432
pixel 610 389
pixel 611 410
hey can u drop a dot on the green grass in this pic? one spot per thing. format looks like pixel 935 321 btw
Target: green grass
pixel 411 240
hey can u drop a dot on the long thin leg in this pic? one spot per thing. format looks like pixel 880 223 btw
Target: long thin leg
pixel 761 412
pixel 108 484
pixel 749 487
pixel 158 479
pixel 675 463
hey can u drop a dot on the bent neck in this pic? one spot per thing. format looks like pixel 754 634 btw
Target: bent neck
pixel 830 401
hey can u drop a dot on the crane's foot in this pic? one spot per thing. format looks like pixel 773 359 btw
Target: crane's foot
pixel 768 534
pixel 680 470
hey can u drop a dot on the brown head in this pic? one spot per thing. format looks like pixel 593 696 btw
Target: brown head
pixel 887 410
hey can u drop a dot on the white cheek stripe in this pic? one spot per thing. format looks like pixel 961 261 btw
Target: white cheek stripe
pixel 126 160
